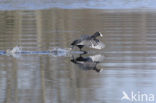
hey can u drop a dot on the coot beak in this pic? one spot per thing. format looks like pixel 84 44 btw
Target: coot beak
pixel 101 34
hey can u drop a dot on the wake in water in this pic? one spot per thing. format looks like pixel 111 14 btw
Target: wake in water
pixel 84 62
pixel 55 52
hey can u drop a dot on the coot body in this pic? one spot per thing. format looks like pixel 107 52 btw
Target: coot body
pixel 89 41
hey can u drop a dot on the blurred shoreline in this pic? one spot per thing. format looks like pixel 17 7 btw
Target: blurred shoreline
pixel 87 9
pixel 78 4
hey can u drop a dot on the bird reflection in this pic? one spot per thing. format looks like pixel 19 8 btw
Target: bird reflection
pixel 88 63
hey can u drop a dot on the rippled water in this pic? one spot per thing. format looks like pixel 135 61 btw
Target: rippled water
pixel 128 60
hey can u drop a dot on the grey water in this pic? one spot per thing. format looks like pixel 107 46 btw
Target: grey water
pixel 127 64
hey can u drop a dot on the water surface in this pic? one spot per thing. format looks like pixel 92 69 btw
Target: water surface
pixel 128 65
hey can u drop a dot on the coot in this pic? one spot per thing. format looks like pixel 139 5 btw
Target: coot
pixel 89 41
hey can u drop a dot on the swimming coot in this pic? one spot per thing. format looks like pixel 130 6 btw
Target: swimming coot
pixel 89 41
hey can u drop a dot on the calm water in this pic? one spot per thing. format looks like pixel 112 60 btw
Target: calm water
pixel 128 63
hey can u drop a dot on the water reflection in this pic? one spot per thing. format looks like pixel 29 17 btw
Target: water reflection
pixel 88 63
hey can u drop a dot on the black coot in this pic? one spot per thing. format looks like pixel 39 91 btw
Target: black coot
pixel 89 41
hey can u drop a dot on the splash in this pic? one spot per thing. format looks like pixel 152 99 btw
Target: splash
pixel 15 52
pixel 56 52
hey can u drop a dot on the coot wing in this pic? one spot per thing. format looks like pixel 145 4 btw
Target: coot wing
pixel 97 44
pixel 85 42
pixel 84 37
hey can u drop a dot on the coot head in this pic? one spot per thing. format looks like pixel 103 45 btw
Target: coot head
pixel 98 34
